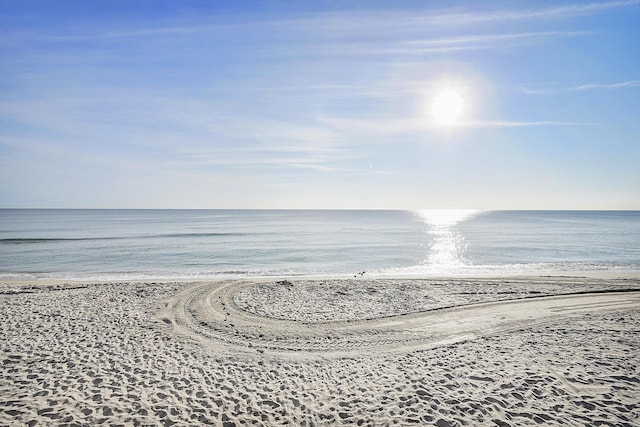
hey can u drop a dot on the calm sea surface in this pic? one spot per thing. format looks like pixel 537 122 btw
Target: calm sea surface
pixel 174 244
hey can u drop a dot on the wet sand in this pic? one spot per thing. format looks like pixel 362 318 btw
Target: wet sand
pixel 522 351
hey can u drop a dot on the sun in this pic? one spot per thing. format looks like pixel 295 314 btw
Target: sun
pixel 448 107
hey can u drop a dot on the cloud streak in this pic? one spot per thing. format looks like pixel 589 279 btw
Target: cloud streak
pixel 328 25
pixel 415 125
pixel 445 45
pixel 583 87
pixel 475 39
pixel 567 11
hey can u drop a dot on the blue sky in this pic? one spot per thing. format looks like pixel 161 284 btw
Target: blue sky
pixel 326 104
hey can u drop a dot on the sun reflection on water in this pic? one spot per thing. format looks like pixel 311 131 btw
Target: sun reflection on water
pixel 448 246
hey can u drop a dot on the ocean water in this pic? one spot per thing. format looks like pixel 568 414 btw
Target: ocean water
pixel 191 244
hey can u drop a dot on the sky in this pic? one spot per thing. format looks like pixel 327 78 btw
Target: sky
pixel 322 104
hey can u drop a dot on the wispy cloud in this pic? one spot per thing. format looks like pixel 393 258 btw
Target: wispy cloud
pixel 590 7
pixel 333 25
pixel 461 19
pixel 583 87
pixel 174 134
pixel 475 39
pixel 413 125
pixel 630 83
pixel 388 22
pixel 442 45
pixel 513 124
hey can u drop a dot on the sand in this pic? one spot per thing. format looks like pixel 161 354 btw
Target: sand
pixel 525 351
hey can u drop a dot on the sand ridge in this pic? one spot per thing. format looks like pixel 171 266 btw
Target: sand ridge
pixel 232 315
pixel 104 354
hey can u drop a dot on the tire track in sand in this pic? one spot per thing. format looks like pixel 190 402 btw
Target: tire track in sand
pixel 207 312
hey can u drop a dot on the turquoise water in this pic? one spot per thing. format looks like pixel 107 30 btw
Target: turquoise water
pixel 138 244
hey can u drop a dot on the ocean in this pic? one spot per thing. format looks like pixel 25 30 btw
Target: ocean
pixel 202 244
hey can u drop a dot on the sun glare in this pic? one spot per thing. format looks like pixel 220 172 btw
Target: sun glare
pixel 448 107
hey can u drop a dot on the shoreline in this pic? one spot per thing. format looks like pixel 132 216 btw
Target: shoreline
pixel 576 274
pixel 331 351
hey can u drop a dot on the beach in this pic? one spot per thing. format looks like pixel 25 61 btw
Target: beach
pixel 322 351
